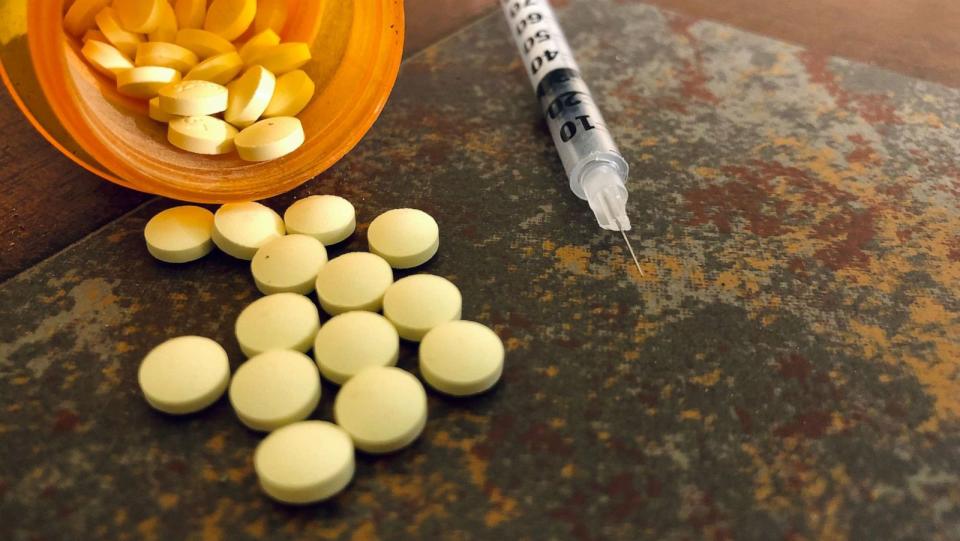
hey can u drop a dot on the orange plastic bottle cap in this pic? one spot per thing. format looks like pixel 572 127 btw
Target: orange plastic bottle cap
pixel 204 44
pixel 271 14
pixel 82 15
pixel 230 18
pixel 258 44
pixel 249 96
pixel 166 30
pixel 294 91
pixel 145 82
pixel 220 69
pixel 120 38
pixel 201 135
pixel 193 98
pixel 284 57
pixel 168 55
pixel 190 13
pixel 105 58
pixel 141 16
pixel 270 139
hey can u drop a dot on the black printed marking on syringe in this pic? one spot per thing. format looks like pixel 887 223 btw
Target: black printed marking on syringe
pixel 577 99
pixel 540 36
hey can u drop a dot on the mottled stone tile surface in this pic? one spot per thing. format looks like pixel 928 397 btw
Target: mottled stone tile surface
pixel 786 369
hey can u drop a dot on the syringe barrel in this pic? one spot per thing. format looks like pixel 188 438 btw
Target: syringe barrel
pixel 576 124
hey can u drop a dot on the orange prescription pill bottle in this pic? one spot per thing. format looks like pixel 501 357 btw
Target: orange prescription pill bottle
pixel 357 46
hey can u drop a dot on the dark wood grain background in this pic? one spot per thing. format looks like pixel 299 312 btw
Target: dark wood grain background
pixel 47 203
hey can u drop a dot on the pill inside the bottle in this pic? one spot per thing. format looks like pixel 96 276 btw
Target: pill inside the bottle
pixel 105 58
pixel 229 19
pixel 193 98
pixel 145 82
pixel 220 69
pixel 293 92
pixel 269 139
pixel 201 135
pixel 250 95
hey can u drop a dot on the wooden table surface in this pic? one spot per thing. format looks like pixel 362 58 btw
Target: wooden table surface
pixel 47 203
pixel 786 368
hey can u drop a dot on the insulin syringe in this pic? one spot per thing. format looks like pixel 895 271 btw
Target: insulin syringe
pixel 595 167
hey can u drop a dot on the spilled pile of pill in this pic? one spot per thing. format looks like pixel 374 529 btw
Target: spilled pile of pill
pixel 379 408
pixel 217 75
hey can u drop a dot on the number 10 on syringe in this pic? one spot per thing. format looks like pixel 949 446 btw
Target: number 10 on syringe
pixel 594 166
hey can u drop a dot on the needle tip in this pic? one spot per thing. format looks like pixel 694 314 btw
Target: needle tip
pixel 632 253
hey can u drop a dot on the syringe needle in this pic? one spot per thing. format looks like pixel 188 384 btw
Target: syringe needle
pixel 630 247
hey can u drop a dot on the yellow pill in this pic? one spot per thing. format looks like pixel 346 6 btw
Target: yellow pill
pixel 157 114
pixel 145 82
pixel 94 35
pixel 249 96
pixel 105 58
pixel 166 30
pixel 294 91
pixel 122 39
pixel 190 13
pixel 220 69
pixel 270 139
pixel 193 98
pixel 258 44
pixel 284 57
pixel 168 55
pixel 82 16
pixel 230 18
pixel 271 14
pixel 201 135
pixel 204 44
pixel 141 16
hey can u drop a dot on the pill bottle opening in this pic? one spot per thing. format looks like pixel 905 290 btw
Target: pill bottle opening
pixel 356 46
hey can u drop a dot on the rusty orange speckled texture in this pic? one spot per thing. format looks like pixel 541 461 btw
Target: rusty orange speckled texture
pixel 787 368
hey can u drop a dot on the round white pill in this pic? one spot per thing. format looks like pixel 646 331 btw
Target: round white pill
pixel 328 218
pixel 384 409
pixel 180 234
pixel 288 264
pixel 184 375
pixel 461 358
pixel 351 342
pixel 305 462
pixel 406 238
pixel 354 281
pixel 275 389
pixel 281 321
pixel 240 229
pixel 418 303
